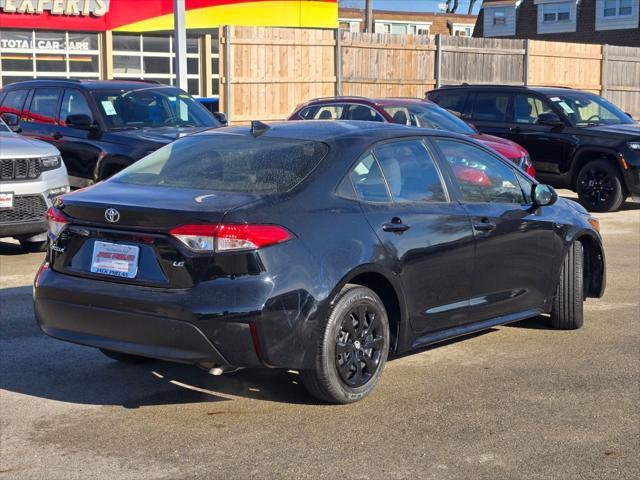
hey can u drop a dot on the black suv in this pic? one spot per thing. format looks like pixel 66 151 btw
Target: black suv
pixel 101 127
pixel 576 139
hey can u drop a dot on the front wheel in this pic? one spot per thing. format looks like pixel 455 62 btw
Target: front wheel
pixel 353 349
pixel 567 310
pixel 599 187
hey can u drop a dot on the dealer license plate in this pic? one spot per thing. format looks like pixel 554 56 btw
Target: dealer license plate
pixel 6 200
pixel 115 259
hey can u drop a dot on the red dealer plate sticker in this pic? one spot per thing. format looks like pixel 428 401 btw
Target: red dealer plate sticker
pixel 6 200
pixel 115 259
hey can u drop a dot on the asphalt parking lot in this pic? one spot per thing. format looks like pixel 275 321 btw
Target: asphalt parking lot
pixel 518 401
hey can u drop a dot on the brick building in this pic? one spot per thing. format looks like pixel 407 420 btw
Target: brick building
pixel 384 21
pixel 613 22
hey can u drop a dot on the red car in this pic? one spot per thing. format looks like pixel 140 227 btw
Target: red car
pixel 414 112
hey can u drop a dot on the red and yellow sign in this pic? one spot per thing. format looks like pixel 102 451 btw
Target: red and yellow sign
pixel 157 15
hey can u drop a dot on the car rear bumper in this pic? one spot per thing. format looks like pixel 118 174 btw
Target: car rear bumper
pixel 165 324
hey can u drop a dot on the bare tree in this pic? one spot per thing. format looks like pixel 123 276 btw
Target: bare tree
pixel 452 6
pixel 472 3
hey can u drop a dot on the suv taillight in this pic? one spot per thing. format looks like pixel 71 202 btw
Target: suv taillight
pixel 230 237
pixel 56 223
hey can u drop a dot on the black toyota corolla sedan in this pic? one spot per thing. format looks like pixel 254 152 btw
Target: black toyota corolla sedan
pixel 322 247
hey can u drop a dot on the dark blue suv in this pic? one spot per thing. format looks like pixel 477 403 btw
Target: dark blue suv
pixel 101 127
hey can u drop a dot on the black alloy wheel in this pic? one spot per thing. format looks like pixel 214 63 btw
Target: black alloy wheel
pixel 599 187
pixel 353 348
pixel 359 345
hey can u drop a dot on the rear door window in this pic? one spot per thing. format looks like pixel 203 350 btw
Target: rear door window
pixel 13 101
pixel 491 107
pixel 411 172
pixel 368 181
pixel 234 163
pixel 362 112
pixel 453 101
pixel 44 105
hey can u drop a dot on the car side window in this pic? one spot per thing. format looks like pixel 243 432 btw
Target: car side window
pixel 327 112
pixel 368 181
pixel 453 101
pixel 401 116
pixel 362 112
pixel 411 172
pixel 13 101
pixel 482 178
pixel 526 185
pixel 527 109
pixel 44 105
pixel 491 107
pixel 74 103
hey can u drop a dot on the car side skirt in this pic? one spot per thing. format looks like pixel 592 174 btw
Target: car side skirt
pixel 449 333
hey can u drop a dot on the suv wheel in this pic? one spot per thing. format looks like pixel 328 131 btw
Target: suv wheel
pixel 124 357
pixel 599 187
pixel 353 350
pixel 33 247
pixel 567 309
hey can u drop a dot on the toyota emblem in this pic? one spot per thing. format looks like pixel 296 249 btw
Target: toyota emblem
pixel 112 215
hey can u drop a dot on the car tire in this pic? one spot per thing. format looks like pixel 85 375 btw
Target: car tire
pixel 345 369
pixel 599 187
pixel 33 247
pixel 567 310
pixel 124 357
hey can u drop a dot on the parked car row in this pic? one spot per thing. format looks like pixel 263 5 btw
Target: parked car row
pixel 393 212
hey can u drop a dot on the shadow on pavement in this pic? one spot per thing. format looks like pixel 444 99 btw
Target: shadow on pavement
pixel 628 205
pixel 541 322
pixel 7 248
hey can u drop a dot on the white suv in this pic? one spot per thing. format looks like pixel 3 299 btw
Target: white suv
pixel 32 174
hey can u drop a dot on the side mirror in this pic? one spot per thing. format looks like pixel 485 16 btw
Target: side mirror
pixel 550 119
pixel 13 121
pixel 80 121
pixel 543 195
pixel 222 118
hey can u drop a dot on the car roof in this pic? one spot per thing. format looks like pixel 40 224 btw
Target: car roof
pixel 514 88
pixel 86 84
pixel 331 130
pixel 381 101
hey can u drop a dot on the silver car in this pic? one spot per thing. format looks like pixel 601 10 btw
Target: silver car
pixel 32 174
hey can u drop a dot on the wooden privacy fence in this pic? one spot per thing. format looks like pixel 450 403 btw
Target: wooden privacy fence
pixel 266 72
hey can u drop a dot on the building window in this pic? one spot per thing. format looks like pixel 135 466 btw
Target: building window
pixel 499 16
pixel 403 28
pixel 461 29
pixel 150 57
pixel 347 25
pixel 556 12
pixel 618 8
pixel 27 54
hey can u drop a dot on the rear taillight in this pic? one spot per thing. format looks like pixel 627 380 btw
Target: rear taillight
pixel 230 237
pixel 56 223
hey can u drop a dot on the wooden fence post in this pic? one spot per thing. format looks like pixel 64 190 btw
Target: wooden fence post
pixel 438 61
pixel 338 62
pixel 604 78
pixel 525 64
pixel 227 72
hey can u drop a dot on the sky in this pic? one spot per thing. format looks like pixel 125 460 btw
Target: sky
pixel 409 5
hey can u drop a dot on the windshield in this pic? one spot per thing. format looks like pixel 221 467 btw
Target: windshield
pixel 428 116
pixel 583 109
pixel 3 126
pixel 151 107
pixel 223 162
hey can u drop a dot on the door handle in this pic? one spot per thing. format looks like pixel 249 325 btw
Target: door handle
pixel 395 226
pixel 57 135
pixel 484 226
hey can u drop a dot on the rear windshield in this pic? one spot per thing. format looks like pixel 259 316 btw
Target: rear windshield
pixel 224 162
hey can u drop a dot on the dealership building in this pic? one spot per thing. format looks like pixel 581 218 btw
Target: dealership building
pixel 132 39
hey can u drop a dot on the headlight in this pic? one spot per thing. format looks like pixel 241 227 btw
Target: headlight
pixel 634 145
pixel 49 163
